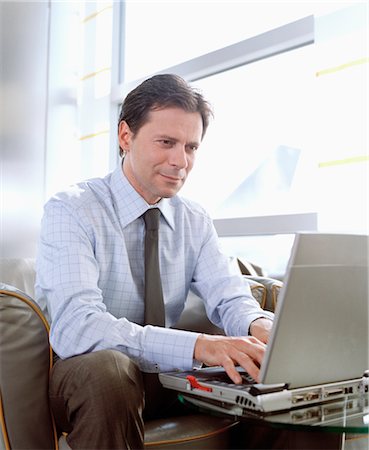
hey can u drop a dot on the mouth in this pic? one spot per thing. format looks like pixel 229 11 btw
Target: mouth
pixel 172 178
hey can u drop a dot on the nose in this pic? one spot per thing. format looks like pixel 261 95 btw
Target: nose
pixel 178 157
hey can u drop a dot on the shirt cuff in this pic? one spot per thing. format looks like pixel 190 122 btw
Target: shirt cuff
pixel 166 349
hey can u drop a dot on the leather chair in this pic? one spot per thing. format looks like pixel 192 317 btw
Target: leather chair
pixel 26 361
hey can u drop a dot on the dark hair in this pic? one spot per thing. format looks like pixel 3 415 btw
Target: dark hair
pixel 160 91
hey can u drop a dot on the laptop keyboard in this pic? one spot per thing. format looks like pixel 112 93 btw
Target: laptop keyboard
pixel 221 377
pixel 247 379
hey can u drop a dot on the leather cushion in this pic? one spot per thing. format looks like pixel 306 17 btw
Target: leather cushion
pixel 26 360
pixel 271 289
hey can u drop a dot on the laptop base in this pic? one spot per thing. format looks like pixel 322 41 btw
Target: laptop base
pixel 211 383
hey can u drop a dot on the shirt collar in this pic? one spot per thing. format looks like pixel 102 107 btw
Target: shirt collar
pixel 128 203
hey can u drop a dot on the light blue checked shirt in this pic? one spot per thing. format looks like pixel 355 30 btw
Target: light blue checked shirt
pixel 90 274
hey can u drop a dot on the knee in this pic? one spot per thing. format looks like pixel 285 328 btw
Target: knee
pixel 111 367
pixel 113 376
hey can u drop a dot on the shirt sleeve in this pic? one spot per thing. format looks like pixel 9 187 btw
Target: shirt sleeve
pixel 227 294
pixel 67 283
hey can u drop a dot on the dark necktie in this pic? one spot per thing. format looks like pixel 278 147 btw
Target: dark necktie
pixel 154 303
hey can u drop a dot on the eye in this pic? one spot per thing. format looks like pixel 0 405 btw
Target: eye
pixel 191 148
pixel 167 143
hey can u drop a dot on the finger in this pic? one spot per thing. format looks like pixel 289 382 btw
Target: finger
pixel 232 372
pixel 251 366
pixel 251 347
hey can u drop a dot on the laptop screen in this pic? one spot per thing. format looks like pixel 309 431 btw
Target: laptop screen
pixel 320 333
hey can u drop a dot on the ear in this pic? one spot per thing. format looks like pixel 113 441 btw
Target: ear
pixel 124 136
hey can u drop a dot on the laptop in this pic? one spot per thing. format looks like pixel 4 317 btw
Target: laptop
pixel 318 348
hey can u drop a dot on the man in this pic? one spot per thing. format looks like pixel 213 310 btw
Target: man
pixel 91 276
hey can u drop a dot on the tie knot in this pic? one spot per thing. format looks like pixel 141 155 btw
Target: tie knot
pixel 151 218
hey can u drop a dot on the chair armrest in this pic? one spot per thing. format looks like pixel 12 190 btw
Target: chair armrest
pixel 265 290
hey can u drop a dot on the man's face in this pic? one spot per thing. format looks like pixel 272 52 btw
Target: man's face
pixel 161 154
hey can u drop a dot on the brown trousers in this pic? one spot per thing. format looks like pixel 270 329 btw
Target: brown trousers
pixel 101 400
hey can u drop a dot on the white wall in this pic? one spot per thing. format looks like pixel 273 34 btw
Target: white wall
pixel 24 32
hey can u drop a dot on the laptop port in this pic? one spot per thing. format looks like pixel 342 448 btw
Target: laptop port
pixel 312 396
pixel 298 398
pixel 333 392
pixel 308 397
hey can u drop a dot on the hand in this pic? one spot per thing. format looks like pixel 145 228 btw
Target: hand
pixel 228 352
pixel 261 328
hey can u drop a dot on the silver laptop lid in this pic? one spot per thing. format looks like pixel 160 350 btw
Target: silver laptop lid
pixel 320 333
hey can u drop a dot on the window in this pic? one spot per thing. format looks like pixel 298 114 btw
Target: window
pixel 341 121
pixel 290 131
pixel 162 34
pixel 287 150
pixel 78 130
pixel 257 158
